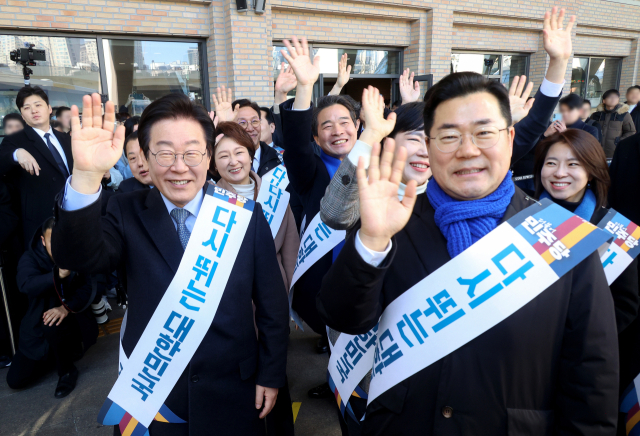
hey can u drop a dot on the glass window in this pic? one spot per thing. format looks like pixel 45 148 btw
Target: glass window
pixel 361 61
pixel 579 75
pixel 139 72
pixel 603 75
pixel 70 71
pixel 513 66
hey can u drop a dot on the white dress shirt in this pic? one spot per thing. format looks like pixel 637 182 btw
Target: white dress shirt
pixel 74 200
pixel 256 159
pixel 55 143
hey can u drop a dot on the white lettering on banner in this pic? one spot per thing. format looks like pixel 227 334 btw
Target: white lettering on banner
pixel 478 289
pixel 624 247
pixel 187 308
pixel 273 197
pixel 316 241
pixel 350 361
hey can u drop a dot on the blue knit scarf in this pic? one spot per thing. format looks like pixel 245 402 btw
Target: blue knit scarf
pixel 463 223
pixel 587 205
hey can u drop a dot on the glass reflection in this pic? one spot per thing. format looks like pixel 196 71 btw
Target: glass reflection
pixel 139 72
pixel 579 76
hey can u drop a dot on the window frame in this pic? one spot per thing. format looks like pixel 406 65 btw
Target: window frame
pixel 588 70
pixel 104 91
pixel 501 54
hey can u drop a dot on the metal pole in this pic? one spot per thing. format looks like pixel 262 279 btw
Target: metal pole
pixel 6 308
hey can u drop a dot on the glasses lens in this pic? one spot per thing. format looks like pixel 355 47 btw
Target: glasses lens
pixel 193 158
pixel 165 158
pixel 243 124
pixel 448 141
pixel 486 137
pixel 255 123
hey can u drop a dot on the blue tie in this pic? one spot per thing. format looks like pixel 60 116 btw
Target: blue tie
pixel 56 156
pixel 181 215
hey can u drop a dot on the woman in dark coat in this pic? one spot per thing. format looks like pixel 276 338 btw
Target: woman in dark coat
pixel 571 169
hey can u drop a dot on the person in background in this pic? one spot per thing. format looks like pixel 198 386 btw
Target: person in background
pixel 340 206
pixel 37 160
pixel 12 123
pixel 63 115
pixel 57 328
pixel 571 170
pixel 268 129
pixel 633 98
pixel 570 108
pixel 232 158
pixel 139 166
pixel 248 115
pixel 130 126
pixel 615 119
pixel 57 125
pixel 585 116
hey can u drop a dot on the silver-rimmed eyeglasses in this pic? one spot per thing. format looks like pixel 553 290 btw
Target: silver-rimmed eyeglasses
pixel 191 158
pixel 449 141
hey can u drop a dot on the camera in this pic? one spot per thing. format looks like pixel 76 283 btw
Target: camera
pixel 27 56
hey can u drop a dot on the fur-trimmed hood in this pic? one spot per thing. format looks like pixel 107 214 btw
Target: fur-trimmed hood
pixel 620 108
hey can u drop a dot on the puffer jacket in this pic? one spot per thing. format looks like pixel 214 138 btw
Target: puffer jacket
pixel 616 124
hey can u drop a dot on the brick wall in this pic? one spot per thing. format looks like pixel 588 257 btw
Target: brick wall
pixel 239 45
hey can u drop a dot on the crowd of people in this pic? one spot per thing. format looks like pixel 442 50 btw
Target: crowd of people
pixel 96 203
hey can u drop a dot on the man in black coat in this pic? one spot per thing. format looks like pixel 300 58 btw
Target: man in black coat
pixel 57 328
pixel 234 371
pixel 44 155
pixel 549 368
pixel 625 189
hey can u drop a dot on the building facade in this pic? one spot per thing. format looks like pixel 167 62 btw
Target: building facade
pixel 134 51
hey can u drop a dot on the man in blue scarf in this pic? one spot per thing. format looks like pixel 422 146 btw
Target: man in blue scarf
pixel 549 368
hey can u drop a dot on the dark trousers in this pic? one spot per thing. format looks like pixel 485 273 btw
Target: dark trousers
pixel 348 425
pixel 280 420
pixel 64 344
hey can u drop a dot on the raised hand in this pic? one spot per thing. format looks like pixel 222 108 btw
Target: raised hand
pixel 285 83
pixel 556 39
pixel 344 71
pixel 96 148
pixel 222 104
pixel 376 126
pixel 518 96
pixel 382 214
pixel 409 91
pixel 214 118
pixel 306 72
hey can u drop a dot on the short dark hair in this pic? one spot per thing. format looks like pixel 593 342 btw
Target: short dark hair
pixel 47 225
pixel 129 124
pixel 460 85
pixel 357 106
pixel 268 115
pixel 55 124
pixel 572 101
pixel 236 133
pixel 174 106
pixel 587 101
pixel 244 102
pixel 408 118
pixel 28 91
pixel 328 101
pixel 61 109
pixel 610 92
pixel 590 154
pixel 12 116
pixel 133 136
pixel 633 87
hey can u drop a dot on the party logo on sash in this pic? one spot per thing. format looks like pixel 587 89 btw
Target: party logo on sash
pixel 624 247
pixel 478 289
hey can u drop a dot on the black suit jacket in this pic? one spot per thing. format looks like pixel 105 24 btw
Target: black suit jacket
pixel 130 185
pixel 269 159
pixel 550 368
pixel 8 219
pixel 36 193
pixel 217 389
pixel 309 178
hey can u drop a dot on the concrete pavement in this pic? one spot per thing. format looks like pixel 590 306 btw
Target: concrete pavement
pixel 35 411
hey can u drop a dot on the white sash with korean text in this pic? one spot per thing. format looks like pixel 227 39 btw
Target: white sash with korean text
pixel 317 240
pixel 273 198
pixel 187 308
pixel 624 247
pixel 470 294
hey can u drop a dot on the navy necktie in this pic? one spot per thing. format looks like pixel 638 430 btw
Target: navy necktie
pixel 181 215
pixel 56 156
